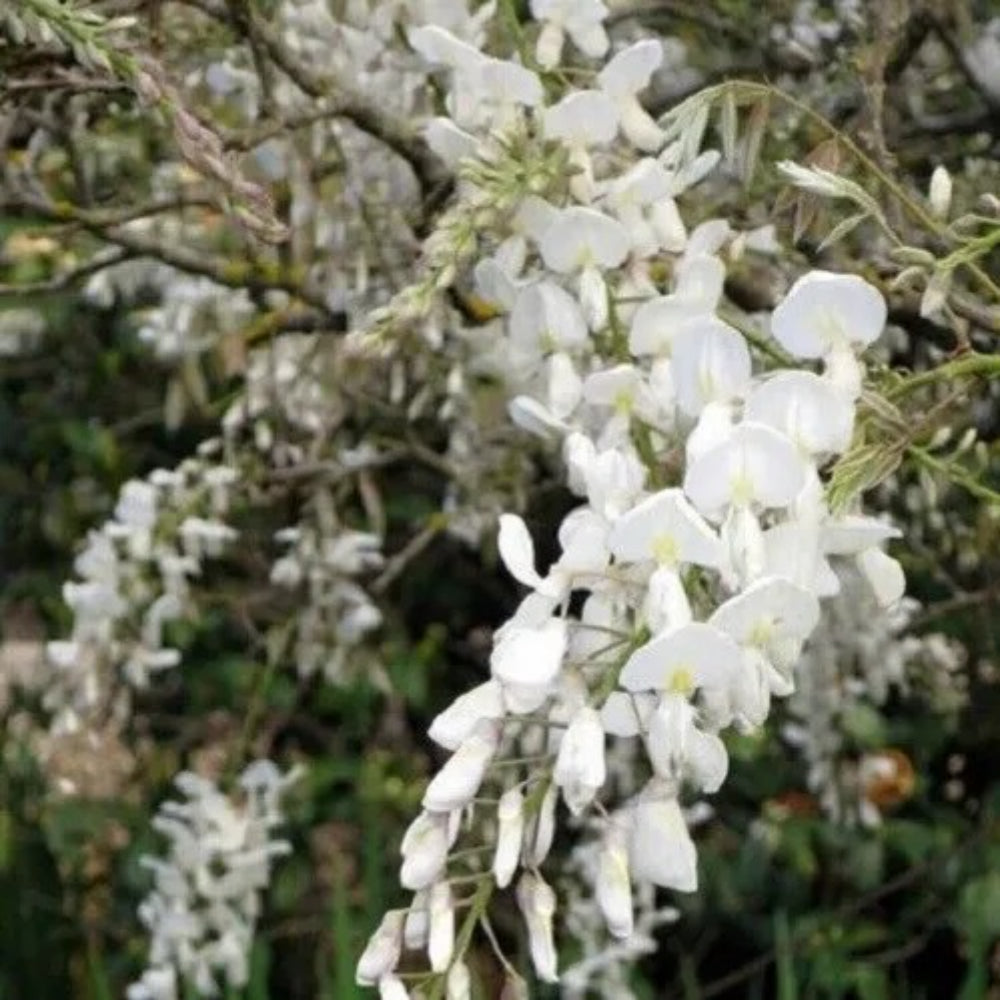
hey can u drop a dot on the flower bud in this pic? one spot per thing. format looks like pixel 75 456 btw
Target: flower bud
pixel 381 954
pixel 415 928
pixel 548 49
pixel 594 298
pixel 391 988
pixel 458 985
pixel 940 192
pixel 424 850
pixel 744 541
pixel 613 887
pixel 579 768
pixel 456 784
pixel 884 574
pixel 660 847
pixel 936 293
pixel 538 906
pixel 455 724
pixel 441 942
pixel 510 821
pixel 543 829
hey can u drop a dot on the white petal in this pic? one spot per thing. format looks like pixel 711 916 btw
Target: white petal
pixel 707 761
pixel 584 117
pixel 665 527
pixel 805 408
pixel 453 726
pixel 639 127
pixel 457 783
pixel 425 851
pixel 583 237
pixel 441 942
pixel 510 834
pixel 531 656
pixel 458 982
pixel 683 659
pixel 669 226
pixel 755 464
pixel 666 604
pixel 382 952
pixel 391 988
pixel 711 364
pixel 613 887
pixel 449 142
pixel 792 550
pixel 822 309
pixel 538 904
pixel 517 550
pixel 715 424
pixel 743 540
pixel 660 847
pixel 843 370
pixel 708 238
pixel 534 216
pixel 564 386
pixel 657 322
pixel 583 536
pixel 545 318
pixel 533 417
pixel 885 575
pixel 579 768
pixel 437 45
pixel 770 609
pixel 625 714
pixel 630 70
pixel 589 37
pixel 548 48
pixel 594 298
pixel 512 82
pixel 699 279
pixel 851 535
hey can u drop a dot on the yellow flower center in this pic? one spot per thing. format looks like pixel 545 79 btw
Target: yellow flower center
pixel 680 680
pixel 666 551
pixel 741 489
pixel 762 632
pixel 622 402
pixel 829 323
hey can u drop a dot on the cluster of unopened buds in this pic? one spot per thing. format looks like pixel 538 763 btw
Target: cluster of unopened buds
pixel 690 576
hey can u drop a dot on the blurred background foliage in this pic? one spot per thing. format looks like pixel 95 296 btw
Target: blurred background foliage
pixel 793 906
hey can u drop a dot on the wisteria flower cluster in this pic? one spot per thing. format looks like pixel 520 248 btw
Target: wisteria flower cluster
pixel 206 899
pixel 692 573
pixel 133 580
pixel 534 279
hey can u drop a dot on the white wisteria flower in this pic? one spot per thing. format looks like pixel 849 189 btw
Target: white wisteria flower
pixel 830 316
pixel 582 20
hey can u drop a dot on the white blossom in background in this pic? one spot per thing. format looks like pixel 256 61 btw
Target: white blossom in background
pixel 859 656
pixel 194 315
pixel 133 579
pixel 208 887
pixel 337 614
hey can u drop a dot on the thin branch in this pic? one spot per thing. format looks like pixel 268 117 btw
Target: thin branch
pixel 251 274
pixel 60 282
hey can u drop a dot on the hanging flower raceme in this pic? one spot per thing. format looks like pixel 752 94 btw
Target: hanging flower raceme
pixel 205 902
pixel 689 578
